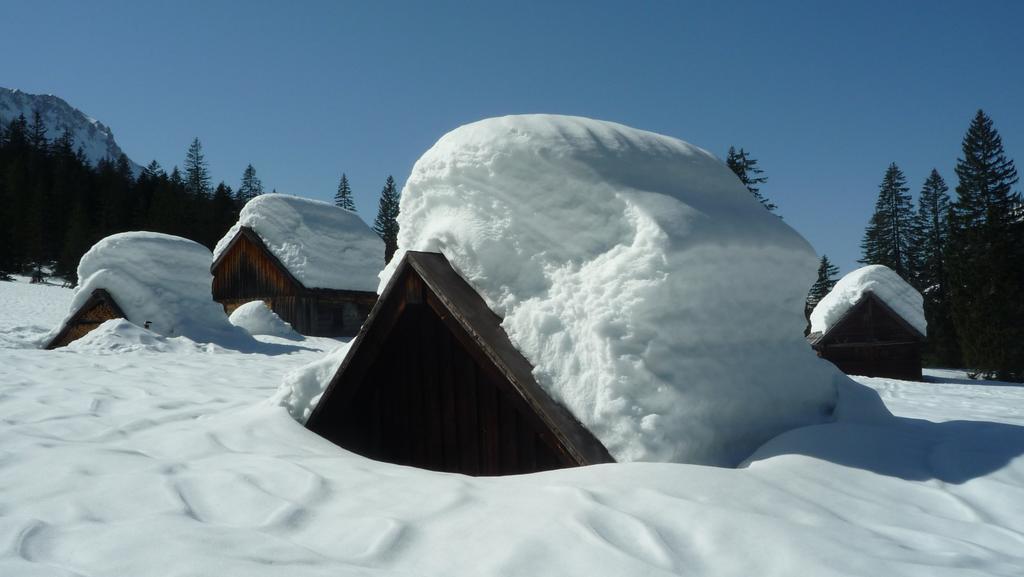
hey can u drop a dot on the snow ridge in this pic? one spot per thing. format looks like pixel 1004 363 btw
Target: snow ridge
pixel 95 138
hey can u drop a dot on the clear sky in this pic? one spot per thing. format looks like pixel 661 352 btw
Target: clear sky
pixel 824 94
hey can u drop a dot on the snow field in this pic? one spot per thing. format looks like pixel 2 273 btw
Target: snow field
pixel 152 461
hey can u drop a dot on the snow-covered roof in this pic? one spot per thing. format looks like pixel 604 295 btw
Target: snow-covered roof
pixel 158 278
pixel 879 280
pixel 321 245
pixel 656 298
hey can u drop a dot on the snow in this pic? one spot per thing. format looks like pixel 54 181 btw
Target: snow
pixel 150 462
pixel 656 298
pixel 321 245
pixel 301 389
pixel 878 279
pixel 258 319
pixel 31 311
pixel 156 278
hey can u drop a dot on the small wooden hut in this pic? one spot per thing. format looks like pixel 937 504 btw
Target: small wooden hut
pixel 872 340
pixel 247 270
pixel 433 381
pixel 97 309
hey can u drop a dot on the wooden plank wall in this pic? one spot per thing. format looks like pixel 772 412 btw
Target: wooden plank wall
pixel 96 314
pixel 246 271
pixel 872 343
pixel 429 404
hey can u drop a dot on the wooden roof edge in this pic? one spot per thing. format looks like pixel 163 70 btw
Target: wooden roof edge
pixel 357 343
pixel 96 295
pixel 251 234
pixel 484 327
pixel 899 318
pixel 865 296
pixel 583 446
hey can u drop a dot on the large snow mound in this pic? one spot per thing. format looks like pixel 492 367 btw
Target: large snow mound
pixel 156 278
pixel 257 319
pixel 656 298
pixel 881 280
pixel 321 245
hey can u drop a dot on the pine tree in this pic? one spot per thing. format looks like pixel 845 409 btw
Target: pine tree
pixel 889 237
pixel 386 223
pixel 931 228
pixel 153 171
pixel 197 175
pixel 984 258
pixel 823 285
pixel 64 146
pixel 746 169
pixel 175 178
pixel 37 132
pixel 17 133
pixel 251 186
pixel 76 243
pixel 343 198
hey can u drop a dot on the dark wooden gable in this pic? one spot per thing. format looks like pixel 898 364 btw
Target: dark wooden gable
pixel 872 340
pixel 433 381
pixel 97 309
pixel 246 269
pixel 869 321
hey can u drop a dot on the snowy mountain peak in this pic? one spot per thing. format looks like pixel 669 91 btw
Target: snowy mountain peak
pixel 94 137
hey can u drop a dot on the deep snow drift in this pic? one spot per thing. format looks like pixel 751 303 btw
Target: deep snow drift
pixel 656 298
pixel 323 246
pixel 158 278
pixel 902 298
pixel 258 319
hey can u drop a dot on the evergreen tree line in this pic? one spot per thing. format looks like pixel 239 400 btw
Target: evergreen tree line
pixel 965 255
pixel 386 222
pixel 54 204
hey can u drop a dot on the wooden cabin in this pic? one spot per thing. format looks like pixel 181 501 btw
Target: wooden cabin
pixel 247 270
pixel 433 381
pixel 873 341
pixel 97 309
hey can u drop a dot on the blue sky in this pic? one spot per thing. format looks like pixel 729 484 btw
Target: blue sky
pixel 824 94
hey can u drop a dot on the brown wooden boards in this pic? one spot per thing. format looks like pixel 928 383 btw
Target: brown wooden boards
pixel 433 381
pixel 246 271
pixel 97 309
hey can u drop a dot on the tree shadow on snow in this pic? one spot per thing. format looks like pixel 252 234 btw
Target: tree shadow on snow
pixel 949 380
pixel 912 449
pixel 253 346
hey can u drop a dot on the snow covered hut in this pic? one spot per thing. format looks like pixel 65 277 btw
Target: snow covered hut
pixel 314 264
pixel 872 323
pixel 433 381
pixel 156 281
pixel 589 296
pixel 98 308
